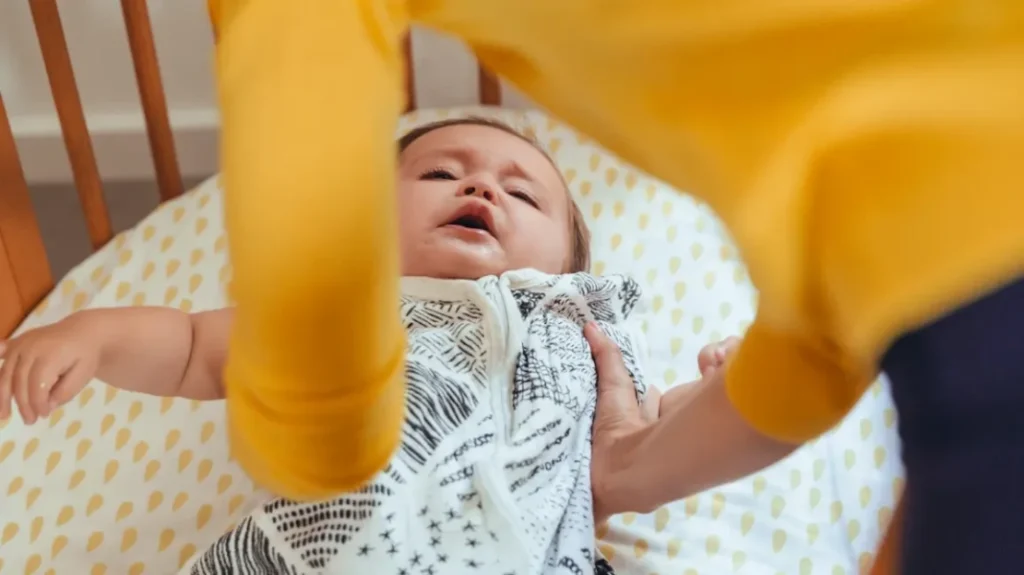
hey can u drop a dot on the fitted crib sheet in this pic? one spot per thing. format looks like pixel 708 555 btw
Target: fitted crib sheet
pixel 116 482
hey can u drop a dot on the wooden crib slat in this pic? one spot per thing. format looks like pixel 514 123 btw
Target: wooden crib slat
pixel 151 92
pixel 886 561
pixel 490 88
pixel 54 48
pixel 11 309
pixel 410 74
pixel 24 268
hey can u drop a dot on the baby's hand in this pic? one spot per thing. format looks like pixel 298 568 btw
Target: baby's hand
pixel 46 367
pixel 713 356
pixel 710 360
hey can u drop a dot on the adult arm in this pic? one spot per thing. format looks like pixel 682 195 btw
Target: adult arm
pixel 310 93
pixel 839 142
pixel 699 441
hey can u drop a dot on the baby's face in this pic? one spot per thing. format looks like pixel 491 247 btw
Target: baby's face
pixel 476 201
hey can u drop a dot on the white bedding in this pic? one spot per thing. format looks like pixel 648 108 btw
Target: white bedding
pixel 116 482
pixel 493 471
pixel 122 483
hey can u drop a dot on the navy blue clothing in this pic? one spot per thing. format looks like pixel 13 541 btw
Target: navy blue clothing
pixel 958 385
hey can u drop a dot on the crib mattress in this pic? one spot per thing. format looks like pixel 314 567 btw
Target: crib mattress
pixel 116 482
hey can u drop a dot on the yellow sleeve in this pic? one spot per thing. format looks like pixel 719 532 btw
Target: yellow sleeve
pixel 865 156
pixel 310 93
pixel 790 387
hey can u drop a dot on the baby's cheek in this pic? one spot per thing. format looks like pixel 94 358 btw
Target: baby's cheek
pixel 417 215
pixel 548 254
pixel 410 207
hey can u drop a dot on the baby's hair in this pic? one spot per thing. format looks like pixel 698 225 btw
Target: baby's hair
pixel 580 261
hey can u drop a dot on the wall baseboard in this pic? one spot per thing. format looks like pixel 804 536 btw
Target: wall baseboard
pixel 120 144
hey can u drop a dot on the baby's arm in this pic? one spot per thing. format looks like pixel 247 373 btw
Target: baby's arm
pixel 161 351
pixel 158 351
pixel 711 358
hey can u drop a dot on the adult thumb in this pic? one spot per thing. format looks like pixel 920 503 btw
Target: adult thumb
pixel 616 392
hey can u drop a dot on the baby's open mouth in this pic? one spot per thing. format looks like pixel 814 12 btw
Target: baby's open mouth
pixel 473 223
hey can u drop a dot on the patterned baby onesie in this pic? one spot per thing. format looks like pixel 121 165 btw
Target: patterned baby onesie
pixel 493 472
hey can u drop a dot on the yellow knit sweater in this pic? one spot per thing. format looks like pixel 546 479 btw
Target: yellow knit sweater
pixel 867 156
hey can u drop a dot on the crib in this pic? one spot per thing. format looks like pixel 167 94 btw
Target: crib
pixel 118 483
pixel 24 271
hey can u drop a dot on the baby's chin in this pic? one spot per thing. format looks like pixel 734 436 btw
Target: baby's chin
pixel 453 259
pixel 456 263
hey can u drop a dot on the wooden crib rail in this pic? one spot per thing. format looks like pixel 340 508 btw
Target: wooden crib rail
pixel 489 87
pixel 151 92
pixel 24 267
pixel 410 74
pixel 25 274
pixel 68 103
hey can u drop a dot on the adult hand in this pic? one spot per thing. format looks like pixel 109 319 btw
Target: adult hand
pixel 619 417
pixel 619 420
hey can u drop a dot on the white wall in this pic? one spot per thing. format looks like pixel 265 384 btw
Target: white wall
pixel 445 75
pixel 103 68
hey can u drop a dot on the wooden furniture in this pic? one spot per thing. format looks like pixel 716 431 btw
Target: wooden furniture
pixel 25 276
pixel 888 556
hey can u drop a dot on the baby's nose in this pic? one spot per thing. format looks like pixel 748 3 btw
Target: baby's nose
pixel 479 190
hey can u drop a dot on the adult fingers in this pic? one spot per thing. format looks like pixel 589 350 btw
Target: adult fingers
pixel 651 408
pixel 616 394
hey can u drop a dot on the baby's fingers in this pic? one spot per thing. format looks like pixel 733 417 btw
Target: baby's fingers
pixel 707 358
pixel 20 384
pixel 714 355
pixel 71 383
pixel 728 346
pixel 41 379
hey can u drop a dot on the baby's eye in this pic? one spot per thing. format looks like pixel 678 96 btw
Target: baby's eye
pixel 524 197
pixel 438 174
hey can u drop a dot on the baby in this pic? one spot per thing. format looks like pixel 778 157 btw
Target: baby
pixel 492 474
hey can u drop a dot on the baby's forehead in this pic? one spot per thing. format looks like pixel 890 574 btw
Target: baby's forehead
pixel 484 144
